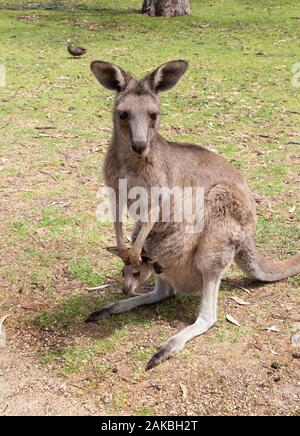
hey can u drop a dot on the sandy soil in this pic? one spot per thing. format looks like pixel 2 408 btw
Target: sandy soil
pixel 26 390
pixel 241 377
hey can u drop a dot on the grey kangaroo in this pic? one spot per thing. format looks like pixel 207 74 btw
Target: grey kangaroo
pixel 183 262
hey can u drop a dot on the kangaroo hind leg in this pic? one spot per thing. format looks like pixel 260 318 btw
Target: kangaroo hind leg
pixel 207 317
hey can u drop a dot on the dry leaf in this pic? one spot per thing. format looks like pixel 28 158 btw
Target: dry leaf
pixel 273 329
pixel 240 301
pixel 41 232
pixel 232 320
pixel 273 352
pixel 296 340
pixel 4 409
pixel 45 127
pixel 2 331
pixel 4 317
pixel 184 391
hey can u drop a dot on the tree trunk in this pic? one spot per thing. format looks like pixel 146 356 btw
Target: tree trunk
pixel 166 8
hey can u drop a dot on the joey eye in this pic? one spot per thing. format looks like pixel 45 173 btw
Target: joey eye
pixel 124 115
pixel 154 116
pixel 136 274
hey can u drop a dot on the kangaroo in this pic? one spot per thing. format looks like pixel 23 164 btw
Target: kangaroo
pixel 184 262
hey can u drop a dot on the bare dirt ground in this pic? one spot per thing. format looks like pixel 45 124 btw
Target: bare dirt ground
pixel 25 390
pixel 225 372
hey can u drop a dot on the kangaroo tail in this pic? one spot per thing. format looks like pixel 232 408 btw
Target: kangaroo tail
pixel 256 265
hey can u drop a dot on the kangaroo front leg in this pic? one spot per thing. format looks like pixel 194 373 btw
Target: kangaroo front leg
pixel 118 224
pixel 161 292
pixel 206 319
pixel 137 246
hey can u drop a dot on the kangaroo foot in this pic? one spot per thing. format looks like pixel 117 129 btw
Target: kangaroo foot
pixel 99 315
pixel 165 352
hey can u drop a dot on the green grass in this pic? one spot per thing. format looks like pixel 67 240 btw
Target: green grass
pixel 228 333
pixel 141 355
pixel 236 97
pixel 55 222
pixel 146 410
pixel 119 401
pixel 69 311
pixel 82 270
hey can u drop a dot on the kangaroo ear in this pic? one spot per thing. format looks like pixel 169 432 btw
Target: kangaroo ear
pixel 157 268
pixel 113 250
pixel 110 76
pixel 152 260
pixel 146 257
pixel 167 76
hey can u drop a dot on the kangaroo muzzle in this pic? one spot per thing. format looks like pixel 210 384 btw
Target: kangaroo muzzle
pixel 128 289
pixel 139 147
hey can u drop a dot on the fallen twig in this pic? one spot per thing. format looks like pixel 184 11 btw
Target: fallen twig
pixel 243 289
pixel 98 288
pixel 45 135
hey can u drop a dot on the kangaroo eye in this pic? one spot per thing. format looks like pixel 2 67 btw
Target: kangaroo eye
pixel 124 115
pixel 136 274
pixel 154 116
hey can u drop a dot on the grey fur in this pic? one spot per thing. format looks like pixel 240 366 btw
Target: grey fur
pixel 190 262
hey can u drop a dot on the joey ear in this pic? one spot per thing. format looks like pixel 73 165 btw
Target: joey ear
pixel 152 260
pixel 147 257
pixel 167 76
pixel 110 76
pixel 157 268
pixel 114 251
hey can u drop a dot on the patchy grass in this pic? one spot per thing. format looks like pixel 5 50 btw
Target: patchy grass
pixel 229 334
pixel 119 402
pixel 70 310
pixel 145 411
pixel 141 355
pixel 82 270
pixel 74 360
pixel 237 98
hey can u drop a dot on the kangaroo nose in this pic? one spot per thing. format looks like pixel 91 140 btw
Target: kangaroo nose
pixel 139 146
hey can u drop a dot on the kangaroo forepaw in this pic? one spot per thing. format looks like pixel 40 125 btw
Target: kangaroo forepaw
pixel 165 352
pixel 99 315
